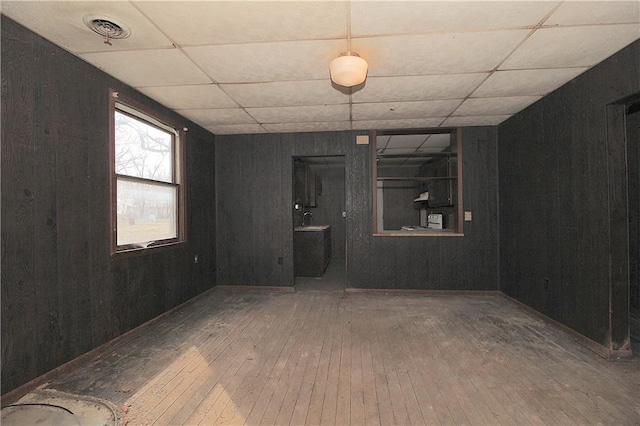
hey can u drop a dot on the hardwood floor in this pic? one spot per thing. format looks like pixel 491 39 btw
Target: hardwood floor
pixel 253 357
pixel 333 279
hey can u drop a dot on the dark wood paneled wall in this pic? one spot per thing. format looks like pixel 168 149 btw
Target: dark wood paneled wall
pixel 61 293
pixel 254 181
pixel 562 222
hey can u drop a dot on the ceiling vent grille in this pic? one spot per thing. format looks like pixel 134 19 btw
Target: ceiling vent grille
pixel 107 27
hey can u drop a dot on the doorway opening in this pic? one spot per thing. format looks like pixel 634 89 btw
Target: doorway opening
pixel 319 223
pixel 633 176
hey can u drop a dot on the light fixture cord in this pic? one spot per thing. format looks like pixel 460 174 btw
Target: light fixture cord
pixel 348 28
pixel 349 54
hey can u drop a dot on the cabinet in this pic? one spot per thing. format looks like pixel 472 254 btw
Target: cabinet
pixel 312 250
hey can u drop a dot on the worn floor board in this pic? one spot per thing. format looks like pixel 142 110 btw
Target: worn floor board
pixel 326 357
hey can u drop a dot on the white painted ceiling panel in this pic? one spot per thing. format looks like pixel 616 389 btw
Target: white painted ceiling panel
pixel 300 114
pixel 399 151
pixel 213 61
pixel 437 53
pixel 390 17
pixel 190 97
pixel 217 116
pixel 564 47
pixel 221 22
pixel 286 93
pixel 495 106
pixel 607 12
pixel 282 61
pixel 307 127
pixel 399 110
pixel 406 141
pixel 235 129
pixel 140 68
pixel 442 140
pixel 413 143
pixel 526 82
pixel 418 88
pixel 382 141
pixel 488 120
pixel 402 123
pixel 61 22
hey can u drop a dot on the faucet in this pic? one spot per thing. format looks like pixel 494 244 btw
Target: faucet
pixel 305 215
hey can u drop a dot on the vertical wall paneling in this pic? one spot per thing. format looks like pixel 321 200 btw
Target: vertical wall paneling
pixel 45 140
pixel 19 315
pixel 455 263
pixel 563 210
pixel 62 295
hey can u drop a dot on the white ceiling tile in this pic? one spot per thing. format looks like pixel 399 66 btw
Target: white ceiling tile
pixel 235 129
pixel 526 82
pixel 404 110
pixel 389 17
pixel 206 117
pixel 431 150
pixel 415 123
pixel 418 88
pixel 300 113
pixel 382 141
pixel 264 62
pixel 62 23
pixel 564 47
pixel 488 120
pixel 399 151
pixel 595 12
pixel 307 127
pixel 406 141
pixel 190 97
pixel 219 22
pixel 148 67
pixel 286 93
pixel 437 53
pixel 437 141
pixel 495 106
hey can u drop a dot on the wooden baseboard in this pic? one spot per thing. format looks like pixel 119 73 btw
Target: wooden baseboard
pixel 17 393
pixel 268 288
pixel 592 345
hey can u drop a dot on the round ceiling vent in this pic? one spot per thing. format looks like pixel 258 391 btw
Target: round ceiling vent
pixel 108 28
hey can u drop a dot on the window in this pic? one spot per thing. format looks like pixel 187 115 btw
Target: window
pixel 147 201
pixel 418 183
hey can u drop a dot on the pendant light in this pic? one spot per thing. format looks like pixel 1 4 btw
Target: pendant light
pixel 348 69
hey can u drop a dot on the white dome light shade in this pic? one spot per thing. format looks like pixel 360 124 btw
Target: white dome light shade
pixel 348 70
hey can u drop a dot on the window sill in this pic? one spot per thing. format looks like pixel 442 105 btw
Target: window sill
pixel 143 251
pixel 419 233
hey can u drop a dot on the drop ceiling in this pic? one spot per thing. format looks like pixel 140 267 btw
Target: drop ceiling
pixel 258 67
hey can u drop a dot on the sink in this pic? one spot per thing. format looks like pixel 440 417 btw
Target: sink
pixel 312 228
